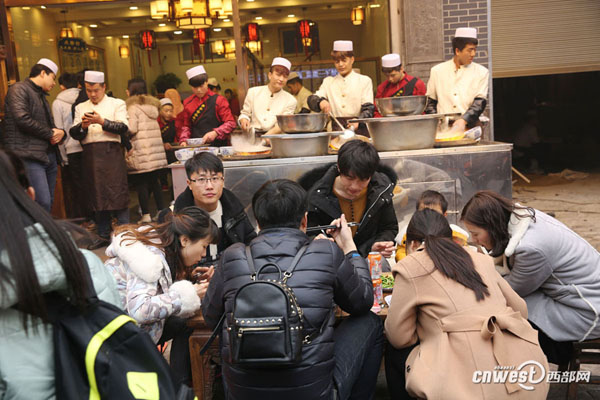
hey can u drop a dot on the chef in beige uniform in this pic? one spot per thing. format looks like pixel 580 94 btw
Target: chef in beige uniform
pixel 348 94
pixel 459 85
pixel 99 124
pixel 264 103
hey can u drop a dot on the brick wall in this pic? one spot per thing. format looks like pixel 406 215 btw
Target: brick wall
pixel 471 13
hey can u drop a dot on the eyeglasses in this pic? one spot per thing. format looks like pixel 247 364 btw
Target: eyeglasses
pixel 203 181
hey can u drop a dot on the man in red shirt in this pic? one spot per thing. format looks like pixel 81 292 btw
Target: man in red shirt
pixel 205 114
pixel 398 82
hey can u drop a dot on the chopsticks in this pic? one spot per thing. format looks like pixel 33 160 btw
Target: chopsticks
pixel 325 227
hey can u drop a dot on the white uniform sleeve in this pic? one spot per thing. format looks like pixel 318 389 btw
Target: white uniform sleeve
pixel 77 116
pixel 367 93
pixel 322 92
pixel 431 89
pixel 246 112
pixel 290 107
pixel 482 85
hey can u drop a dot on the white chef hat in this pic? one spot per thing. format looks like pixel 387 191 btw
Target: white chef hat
pixel 284 62
pixel 342 45
pixel 49 63
pixel 94 77
pixel 194 71
pixel 165 100
pixel 213 82
pixel 391 60
pixel 466 33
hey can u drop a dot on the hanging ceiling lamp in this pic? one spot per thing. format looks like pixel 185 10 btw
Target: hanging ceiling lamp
pixel 227 9
pixel 123 51
pixel 200 36
pixel 66 32
pixel 254 47
pixel 218 47
pixel 216 8
pixel 93 54
pixel 159 9
pixel 357 16
pixel 197 17
pixel 252 33
pixel 304 31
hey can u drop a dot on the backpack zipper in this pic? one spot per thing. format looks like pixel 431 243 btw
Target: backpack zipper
pixel 266 328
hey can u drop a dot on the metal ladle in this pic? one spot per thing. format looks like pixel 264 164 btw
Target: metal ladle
pixel 348 133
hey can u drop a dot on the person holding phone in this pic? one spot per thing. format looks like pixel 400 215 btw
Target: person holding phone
pixel 99 124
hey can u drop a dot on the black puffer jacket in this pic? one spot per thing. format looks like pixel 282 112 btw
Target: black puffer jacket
pixel 323 276
pixel 28 123
pixel 378 224
pixel 236 226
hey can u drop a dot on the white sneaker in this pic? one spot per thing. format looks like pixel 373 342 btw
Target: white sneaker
pixel 146 218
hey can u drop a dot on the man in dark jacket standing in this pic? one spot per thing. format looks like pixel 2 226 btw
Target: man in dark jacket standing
pixel 29 129
pixel 206 190
pixel 362 189
pixel 345 359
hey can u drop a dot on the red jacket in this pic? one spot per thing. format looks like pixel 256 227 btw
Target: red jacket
pixel 387 89
pixel 191 104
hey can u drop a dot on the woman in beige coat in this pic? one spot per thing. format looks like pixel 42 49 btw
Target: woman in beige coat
pixel 147 156
pixel 463 324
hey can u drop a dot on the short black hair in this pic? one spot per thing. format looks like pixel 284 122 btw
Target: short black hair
pixel 460 43
pixel 81 77
pixel 294 80
pixel 228 91
pixel 358 158
pixel 68 80
pixel 280 69
pixel 280 203
pixel 432 198
pixel 204 161
pixel 213 87
pixel 198 80
pixel 38 68
pixel 391 69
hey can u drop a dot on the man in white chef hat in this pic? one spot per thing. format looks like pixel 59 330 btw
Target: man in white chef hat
pixel 348 94
pixel 99 124
pixel 264 103
pixel 459 85
pixel 205 114
pixel 398 82
pixel 30 132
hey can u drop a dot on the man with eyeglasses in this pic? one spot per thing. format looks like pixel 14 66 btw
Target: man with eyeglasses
pixel 206 190
pixel 398 82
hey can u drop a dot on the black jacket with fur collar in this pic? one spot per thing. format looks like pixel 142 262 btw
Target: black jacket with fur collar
pixel 379 221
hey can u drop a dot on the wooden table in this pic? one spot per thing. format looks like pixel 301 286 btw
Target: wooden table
pixel 203 366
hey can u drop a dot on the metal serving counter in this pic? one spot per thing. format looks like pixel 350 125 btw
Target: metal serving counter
pixel 456 172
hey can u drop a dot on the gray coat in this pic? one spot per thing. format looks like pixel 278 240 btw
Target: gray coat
pixel 558 274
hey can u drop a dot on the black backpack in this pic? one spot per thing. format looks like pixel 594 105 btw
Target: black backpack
pixel 101 353
pixel 265 328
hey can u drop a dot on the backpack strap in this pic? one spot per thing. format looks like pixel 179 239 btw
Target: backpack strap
pixel 288 273
pixel 213 335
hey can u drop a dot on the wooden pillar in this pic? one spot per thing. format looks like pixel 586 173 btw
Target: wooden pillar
pixel 12 72
pixel 240 57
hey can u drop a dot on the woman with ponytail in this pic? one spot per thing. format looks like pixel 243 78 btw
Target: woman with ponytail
pixel 452 315
pixel 152 266
pixel 37 256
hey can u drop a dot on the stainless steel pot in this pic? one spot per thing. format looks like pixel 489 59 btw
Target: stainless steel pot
pixel 403 105
pixel 403 133
pixel 310 144
pixel 302 123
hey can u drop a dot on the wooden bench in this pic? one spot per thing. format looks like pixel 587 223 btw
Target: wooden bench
pixel 587 352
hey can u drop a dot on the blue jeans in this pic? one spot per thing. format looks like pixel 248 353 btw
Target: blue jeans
pixel 358 350
pixel 43 179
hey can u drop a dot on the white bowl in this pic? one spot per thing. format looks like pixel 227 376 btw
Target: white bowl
pixel 227 150
pixel 184 154
pixel 194 141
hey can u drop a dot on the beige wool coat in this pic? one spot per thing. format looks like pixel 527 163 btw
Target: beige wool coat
pixel 146 141
pixel 459 335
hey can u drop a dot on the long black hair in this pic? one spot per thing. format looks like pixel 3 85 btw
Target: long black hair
pixel 490 211
pixel 193 222
pixel 18 212
pixel 448 257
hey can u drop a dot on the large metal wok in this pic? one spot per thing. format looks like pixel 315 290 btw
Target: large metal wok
pixel 310 144
pixel 302 123
pixel 403 105
pixel 403 133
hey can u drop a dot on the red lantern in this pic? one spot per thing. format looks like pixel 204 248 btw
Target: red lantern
pixel 200 36
pixel 303 28
pixel 252 32
pixel 147 40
